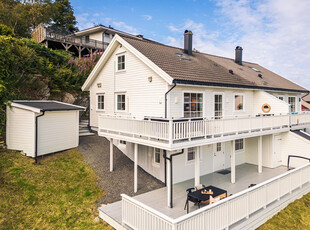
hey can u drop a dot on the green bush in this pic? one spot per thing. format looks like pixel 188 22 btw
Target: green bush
pixel 5 30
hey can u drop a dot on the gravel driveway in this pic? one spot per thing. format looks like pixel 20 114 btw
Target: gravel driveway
pixel 96 152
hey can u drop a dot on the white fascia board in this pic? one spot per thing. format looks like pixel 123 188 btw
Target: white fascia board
pixel 16 105
pixel 115 41
pixel 77 106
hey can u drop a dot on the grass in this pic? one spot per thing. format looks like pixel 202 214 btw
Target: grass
pixel 59 193
pixel 295 216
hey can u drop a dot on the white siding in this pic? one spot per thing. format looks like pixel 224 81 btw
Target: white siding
pixel 285 98
pixel 177 94
pixel 20 130
pixel 57 131
pixel 143 98
pixel 96 36
pixel 277 106
pixel 292 144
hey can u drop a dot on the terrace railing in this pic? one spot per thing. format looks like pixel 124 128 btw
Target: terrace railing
pixel 175 131
pixel 221 214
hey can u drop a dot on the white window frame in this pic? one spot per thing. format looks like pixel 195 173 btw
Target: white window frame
pixel 116 66
pixel 196 92
pixel 223 104
pixel 122 142
pixel 116 102
pixel 154 157
pixel 97 97
pixel 278 96
pixel 240 150
pixel 189 162
pixel 288 101
pixel 234 103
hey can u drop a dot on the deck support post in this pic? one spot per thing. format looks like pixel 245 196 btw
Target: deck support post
pixel 197 166
pixel 135 167
pixel 111 155
pixel 169 189
pixel 260 154
pixel 233 162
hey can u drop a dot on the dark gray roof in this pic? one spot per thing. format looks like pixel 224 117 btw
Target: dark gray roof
pixel 50 105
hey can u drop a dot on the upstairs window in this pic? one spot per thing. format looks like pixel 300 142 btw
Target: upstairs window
pixel 100 102
pixel 292 102
pixel 239 145
pixel 121 62
pixel 87 38
pixel 106 35
pixel 121 102
pixel 239 105
pixel 193 104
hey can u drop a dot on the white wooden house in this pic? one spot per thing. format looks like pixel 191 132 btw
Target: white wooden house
pixel 41 127
pixel 181 115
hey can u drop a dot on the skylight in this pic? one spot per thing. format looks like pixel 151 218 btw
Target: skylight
pixel 256 70
pixel 179 54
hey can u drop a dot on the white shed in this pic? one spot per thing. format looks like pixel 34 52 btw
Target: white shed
pixel 42 127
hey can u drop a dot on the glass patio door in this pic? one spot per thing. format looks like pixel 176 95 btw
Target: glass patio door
pixel 218 106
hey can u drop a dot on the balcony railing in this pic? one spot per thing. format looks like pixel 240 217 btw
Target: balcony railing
pixel 175 131
pixel 221 214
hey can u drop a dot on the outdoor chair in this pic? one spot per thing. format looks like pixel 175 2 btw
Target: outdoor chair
pixel 213 200
pixel 200 186
pixel 195 201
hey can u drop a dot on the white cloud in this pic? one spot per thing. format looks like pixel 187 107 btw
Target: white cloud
pixel 124 27
pixel 273 33
pixel 147 17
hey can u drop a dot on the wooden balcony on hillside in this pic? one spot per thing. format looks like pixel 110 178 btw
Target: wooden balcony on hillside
pixel 173 134
pixel 56 40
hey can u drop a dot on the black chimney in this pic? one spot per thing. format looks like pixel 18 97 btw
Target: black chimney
pixel 238 55
pixel 188 42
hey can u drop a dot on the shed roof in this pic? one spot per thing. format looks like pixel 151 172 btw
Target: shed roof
pixel 48 105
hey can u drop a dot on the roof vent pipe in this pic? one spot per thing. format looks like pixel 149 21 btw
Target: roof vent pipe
pixel 238 55
pixel 188 42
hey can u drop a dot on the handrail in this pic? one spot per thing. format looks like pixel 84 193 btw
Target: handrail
pixel 289 157
pixel 185 217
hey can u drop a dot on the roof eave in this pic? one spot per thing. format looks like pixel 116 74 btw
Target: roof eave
pixel 187 82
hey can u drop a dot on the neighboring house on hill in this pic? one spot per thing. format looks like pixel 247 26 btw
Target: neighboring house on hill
pixel 81 43
pixel 183 115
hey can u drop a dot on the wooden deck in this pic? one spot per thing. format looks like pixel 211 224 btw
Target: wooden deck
pixel 246 174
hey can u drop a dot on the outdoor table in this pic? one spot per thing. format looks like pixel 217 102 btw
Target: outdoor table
pixel 204 197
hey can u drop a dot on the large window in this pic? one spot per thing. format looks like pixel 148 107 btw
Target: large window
pixel 239 106
pixel 100 102
pixel 292 102
pixel 239 145
pixel 218 106
pixel 157 156
pixel 121 62
pixel 121 102
pixel 193 104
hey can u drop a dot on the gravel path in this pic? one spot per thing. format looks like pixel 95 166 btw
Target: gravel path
pixel 96 152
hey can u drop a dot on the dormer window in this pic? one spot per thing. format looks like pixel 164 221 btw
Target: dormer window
pixel 121 62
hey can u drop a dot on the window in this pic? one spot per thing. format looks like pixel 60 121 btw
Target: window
pixel 193 104
pixel 121 62
pixel 122 142
pixel 100 102
pixel 281 98
pixel 239 103
pixel 218 147
pixel 218 106
pixel 87 38
pixel 239 145
pixel 190 154
pixel 157 155
pixel 292 102
pixel 106 35
pixel 121 102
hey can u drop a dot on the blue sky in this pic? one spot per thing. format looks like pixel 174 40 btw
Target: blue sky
pixel 273 33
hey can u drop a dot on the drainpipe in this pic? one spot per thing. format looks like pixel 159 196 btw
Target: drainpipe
pixel 166 94
pixel 88 111
pixel 36 137
pixel 171 170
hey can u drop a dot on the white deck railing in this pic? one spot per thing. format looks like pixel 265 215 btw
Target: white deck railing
pixel 221 214
pixel 178 130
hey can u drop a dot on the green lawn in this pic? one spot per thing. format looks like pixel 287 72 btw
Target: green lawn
pixel 59 193
pixel 295 216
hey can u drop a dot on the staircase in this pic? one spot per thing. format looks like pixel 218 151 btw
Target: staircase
pixel 83 129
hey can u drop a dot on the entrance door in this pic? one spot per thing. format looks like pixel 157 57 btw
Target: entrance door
pixel 218 157
pixel 277 151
